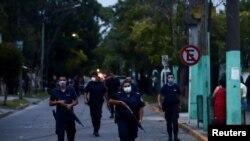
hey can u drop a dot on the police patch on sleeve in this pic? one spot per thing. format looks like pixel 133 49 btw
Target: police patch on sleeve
pixel 141 100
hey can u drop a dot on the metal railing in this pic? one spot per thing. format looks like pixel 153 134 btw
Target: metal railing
pixel 210 109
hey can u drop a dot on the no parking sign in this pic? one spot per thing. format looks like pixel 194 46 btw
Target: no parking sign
pixel 190 55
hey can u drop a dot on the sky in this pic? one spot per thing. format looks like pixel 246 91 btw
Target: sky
pixel 106 3
pixel 217 3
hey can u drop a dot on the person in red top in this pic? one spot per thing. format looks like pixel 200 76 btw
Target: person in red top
pixel 219 96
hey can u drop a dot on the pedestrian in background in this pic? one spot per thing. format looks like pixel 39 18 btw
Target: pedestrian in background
pixel 127 123
pixel 95 92
pixel 113 86
pixel 219 96
pixel 169 100
pixel 247 83
pixel 64 98
pixel 243 90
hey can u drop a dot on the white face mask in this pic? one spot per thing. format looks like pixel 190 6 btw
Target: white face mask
pixel 127 89
pixel 170 80
pixel 62 83
pixel 93 78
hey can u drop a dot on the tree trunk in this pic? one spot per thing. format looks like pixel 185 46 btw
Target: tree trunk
pixel 5 95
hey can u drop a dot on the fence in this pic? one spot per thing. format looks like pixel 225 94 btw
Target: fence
pixel 210 111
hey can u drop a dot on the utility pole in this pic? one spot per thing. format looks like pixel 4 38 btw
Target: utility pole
pixel 194 80
pixel 44 78
pixel 42 54
pixel 206 84
pixel 174 35
pixel 42 13
pixel 19 45
pixel 233 69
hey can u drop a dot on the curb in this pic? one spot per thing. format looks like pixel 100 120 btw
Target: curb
pixel 4 114
pixel 186 128
pixel 194 133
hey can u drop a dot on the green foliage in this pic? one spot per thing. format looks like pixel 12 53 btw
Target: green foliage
pixel 39 95
pixel 14 104
pixel 72 64
pixel 10 62
pixel 245 33
pixel 218 39
pixel 22 20
pixel 141 33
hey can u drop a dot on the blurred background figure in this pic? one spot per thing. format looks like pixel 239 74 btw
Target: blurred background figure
pixel 243 91
pixel 95 91
pixel 219 96
pixel 113 85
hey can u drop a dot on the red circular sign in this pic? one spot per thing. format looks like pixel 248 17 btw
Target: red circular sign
pixel 190 55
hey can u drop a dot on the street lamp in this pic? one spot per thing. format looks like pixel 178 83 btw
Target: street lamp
pixel 73 34
pixel 44 18
pixel 42 13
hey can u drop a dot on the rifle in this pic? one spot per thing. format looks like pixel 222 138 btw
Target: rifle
pixel 135 118
pixel 70 110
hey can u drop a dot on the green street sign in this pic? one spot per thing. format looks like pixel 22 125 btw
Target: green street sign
pixel 19 45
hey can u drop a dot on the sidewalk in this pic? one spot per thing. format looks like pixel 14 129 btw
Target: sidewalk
pixel 4 112
pixel 191 125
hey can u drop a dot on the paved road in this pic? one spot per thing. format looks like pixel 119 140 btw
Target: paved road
pixel 36 123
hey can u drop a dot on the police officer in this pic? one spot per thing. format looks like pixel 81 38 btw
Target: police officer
pixel 170 95
pixel 95 91
pixel 64 98
pixel 113 86
pixel 127 124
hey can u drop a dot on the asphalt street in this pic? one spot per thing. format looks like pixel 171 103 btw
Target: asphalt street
pixel 36 123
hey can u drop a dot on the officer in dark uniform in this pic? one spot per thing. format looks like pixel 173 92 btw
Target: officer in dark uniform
pixel 170 95
pixel 113 86
pixel 95 91
pixel 64 98
pixel 127 124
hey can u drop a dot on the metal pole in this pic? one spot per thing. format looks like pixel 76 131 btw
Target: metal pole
pixel 42 54
pixel 206 66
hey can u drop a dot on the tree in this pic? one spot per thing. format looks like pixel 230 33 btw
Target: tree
pixel 218 47
pixel 245 33
pixel 141 32
pixel 11 65
pixel 22 20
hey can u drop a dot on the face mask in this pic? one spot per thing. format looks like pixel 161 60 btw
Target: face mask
pixel 62 84
pixel 93 78
pixel 171 80
pixel 127 89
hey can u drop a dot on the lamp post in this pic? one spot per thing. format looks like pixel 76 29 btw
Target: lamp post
pixel 44 17
pixel 19 45
pixel 42 13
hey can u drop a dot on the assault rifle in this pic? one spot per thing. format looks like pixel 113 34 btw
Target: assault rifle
pixel 135 118
pixel 70 110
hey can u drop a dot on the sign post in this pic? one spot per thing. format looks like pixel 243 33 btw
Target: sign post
pixel 165 70
pixel 164 60
pixel 190 55
pixel 19 45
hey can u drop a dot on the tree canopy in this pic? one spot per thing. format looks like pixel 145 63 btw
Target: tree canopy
pixel 131 36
